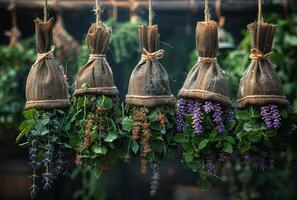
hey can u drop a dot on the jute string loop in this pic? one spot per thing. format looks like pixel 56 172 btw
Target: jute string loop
pixel 43 56
pixel 157 55
pixel 98 13
pixel 207 59
pixel 258 55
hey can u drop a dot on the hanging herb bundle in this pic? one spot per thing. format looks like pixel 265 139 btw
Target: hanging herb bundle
pixel 96 114
pixel 261 99
pixel 204 118
pixel 150 109
pixel 47 96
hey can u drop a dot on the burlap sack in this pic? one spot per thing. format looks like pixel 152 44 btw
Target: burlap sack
pixel 260 84
pixel 149 82
pixel 96 74
pixel 206 80
pixel 46 86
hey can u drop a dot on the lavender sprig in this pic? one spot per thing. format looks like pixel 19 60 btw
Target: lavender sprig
pixel 208 106
pixel 223 157
pixel 155 178
pixel 181 109
pixel 35 165
pixel 47 160
pixel 271 116
pixel 197 118
pixel 210 168
pixel 217 117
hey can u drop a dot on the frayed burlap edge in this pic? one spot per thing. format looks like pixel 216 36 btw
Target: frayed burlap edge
pixel 205 95
pixel 48 104
pixel 261 100
pixel 151 101
pixel 108 91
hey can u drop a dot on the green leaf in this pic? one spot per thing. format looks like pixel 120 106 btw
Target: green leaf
pixel 105 102
pixel 230 139
pixel 29 114
pixel 244 115
pixel 228 148
pixel 188 157
pixel 134 146
pixel 100 150
pixel 194 165
pixel 180 138
pixel 203 144
pixel 111 136
pixel 255 136
pixel 248 127
pixel 27 125
pixel 127 124
pixel 203 184
pixel 244 148
pixel 45 119
pixel 213 133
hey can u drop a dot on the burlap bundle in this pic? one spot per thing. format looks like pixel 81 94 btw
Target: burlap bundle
pixel 149 82
pixel 206 80
pixel 46 86
pixel 96 74
pixel 260 84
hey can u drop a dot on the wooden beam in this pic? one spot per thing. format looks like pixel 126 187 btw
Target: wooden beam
pixel 237 5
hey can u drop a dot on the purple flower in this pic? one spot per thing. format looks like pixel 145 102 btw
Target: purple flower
pixel 191 105
pixel 47 162
pixel 60 162
pixel 209 166
pixel 34 164
pixel 197 118
pixel 217 118
pixel 265 113
pixel 223 157
pixel 229 114
pixel 275 116
pixel 247 157
pixel 181 109
pixel 270 115
pixel 208 107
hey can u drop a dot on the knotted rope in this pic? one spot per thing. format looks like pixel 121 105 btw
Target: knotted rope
pixel 97 56
pixel 43 56
pixel 207 59
pixel 157 55
pixel 258 55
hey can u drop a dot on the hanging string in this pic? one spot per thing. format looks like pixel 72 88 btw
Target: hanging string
pixel 206 10
pixel 150 13
pixel 45 11
pixel 259 11
pixel 98 13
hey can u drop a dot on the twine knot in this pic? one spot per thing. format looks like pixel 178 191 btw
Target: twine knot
pixel 97 56
pixel 43 56
pixel 258 55
pixel 207 59
pixel 157 55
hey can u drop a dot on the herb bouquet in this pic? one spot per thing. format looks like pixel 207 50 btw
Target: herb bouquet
pixel 150 108
pixel 263 111
pixel 47 96
pixel 204 118
pixel 95 112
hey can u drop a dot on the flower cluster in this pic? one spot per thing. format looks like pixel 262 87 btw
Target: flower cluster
pixel 271 116
pixel 48 175
pixel 195 108
pixel 35 165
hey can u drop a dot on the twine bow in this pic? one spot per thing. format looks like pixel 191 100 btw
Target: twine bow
pixel 258 55
pixel 43 56
pixel 207 59
pixel 157 55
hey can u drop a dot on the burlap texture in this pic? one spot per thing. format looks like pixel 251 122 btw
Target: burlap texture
pixel 260 84
pixel 96 74
pixel 46 87
pixel 149 82
pixel 206 80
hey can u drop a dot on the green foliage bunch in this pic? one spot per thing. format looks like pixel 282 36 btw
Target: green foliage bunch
pixel 94 123
pixel 148 133
pixel 45 134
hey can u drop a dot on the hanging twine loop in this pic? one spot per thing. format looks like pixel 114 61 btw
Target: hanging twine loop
pixel 157 55
pixel 207 59
pixel 43 56
pixel 258 55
